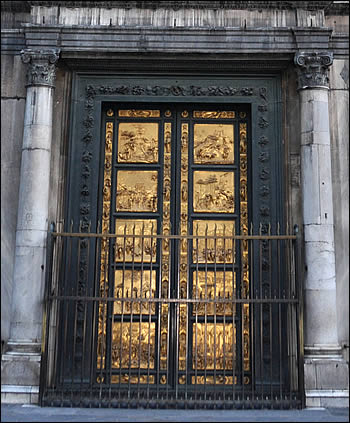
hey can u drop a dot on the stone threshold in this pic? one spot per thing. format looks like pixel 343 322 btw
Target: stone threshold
pixel 19 394
pixel 327 398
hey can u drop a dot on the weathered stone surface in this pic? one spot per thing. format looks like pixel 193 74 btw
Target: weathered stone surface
pixel 320 317
pixel 320 262
pixel 339 75
pixel 20 370
pixel 12 115
pixel 316 181
pixel 13 77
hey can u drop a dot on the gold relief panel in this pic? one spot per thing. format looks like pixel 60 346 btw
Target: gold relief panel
pixel 134 284
pixel 210 250
pixel 213 285
pixel 139 113
pixel 137 190
pixel 210 380
pixel 213 346
pixel 133 345
pixel 138 142
pixel 205 114
pixel 136 249
pixel 125 378
pixel 213 192
pixel 213 143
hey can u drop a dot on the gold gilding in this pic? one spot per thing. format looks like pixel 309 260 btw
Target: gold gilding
pixel 213 192
pixel 125 378
pixel 213 144
pixel 137 190
pixel 143 248
pixel 210 250
pixel 134 284
pixel 244 231
pixel 204 114
pixel 213 285
pixel 102 307
pixel 138 142
pixel 213 346
pixel 133 345
pixel 139 113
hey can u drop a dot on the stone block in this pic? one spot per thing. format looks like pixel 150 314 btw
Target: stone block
pixel 316 94
pixel 39 106
pixel 37 137
pixel 314 116
pixel 319 233
pixel 320 316
pixel 339 75
pixel 315 137
pixel 13 77
pixel 34 190
pixel 31 238
pixel 325 184
pixel 310 180
pixel 27 306
pixel 20 370
pixel 320 262
pixel 332 374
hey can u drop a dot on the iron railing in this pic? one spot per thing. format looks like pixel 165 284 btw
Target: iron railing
pixel 115 337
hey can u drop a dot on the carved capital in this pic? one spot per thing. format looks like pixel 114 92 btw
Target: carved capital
pixel 41 66
pixel 312 69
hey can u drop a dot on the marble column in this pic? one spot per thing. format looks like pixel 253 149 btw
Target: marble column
pixel 324 366
pixel 21 363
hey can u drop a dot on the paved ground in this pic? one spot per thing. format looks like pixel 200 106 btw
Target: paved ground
pixel 32 413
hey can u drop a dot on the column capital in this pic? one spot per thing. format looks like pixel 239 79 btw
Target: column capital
pixel 312 68
pixel 42 66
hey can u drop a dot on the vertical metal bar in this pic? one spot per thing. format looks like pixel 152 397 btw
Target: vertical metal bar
pixel 224 312
pixel 234 319
pixel 65 308
pixel 252 313
pixel 178 310
pixel 261 320
pixel 198 305
pixel 159 315
pixel 214 306
pixel 205 312
pixel 46 315
pixel 279 310
pixel 149 316
pixel 300 315
pixel 140 317
pixel 270 243
pixel 131 306
pixel 94 311
pixel 75 318
pixel 242 319
pixel 85 313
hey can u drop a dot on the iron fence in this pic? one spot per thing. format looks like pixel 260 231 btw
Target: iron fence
pixel 116 335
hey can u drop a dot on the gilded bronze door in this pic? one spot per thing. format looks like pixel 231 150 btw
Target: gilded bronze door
pixel 180 172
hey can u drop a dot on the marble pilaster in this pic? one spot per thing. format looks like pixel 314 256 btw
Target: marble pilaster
pixel 323 360
pixel 21 363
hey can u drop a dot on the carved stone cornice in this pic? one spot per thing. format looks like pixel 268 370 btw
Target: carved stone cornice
pixel 312 69
pixel 42 66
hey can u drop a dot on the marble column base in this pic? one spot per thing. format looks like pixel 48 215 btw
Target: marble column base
pixel 326 377
pixel 20 372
